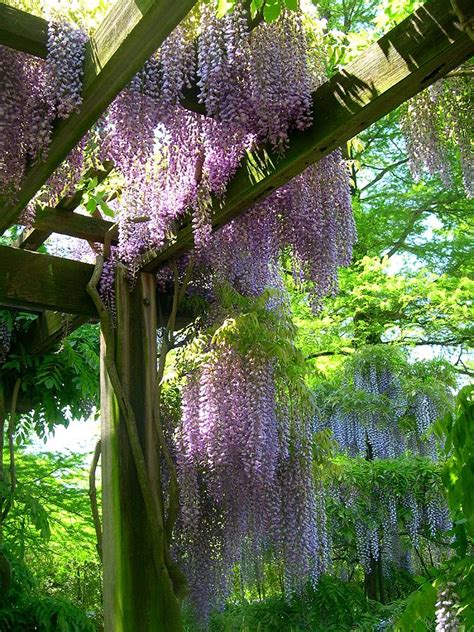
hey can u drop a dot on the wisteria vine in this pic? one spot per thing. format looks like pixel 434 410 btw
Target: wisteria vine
pixel 34 92
pixel 384 407
pixel 436 119
pixel 244 460
pixel 392 507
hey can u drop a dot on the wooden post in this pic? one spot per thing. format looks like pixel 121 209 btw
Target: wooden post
pixel 137 597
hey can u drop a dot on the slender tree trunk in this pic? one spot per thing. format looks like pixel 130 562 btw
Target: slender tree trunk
pixel 138 591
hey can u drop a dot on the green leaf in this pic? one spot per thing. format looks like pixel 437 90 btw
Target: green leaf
pixel 91 204
pixel 292 5
pixel 271 11
pixel 256 6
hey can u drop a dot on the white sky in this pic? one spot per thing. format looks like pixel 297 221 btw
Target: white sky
pixel 78 437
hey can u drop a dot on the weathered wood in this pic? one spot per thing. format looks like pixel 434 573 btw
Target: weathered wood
pixel 133 597
pixel 35 282
pixel 56 220
pixel 128 36
pixel 23 31
pixel 48 329
pixel 416 53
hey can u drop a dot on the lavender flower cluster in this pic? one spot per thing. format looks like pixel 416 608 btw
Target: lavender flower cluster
pixel 65 60
pixel 245 479
pixel 437 118
pixel 380 522
pixel 255 86
pixel 311 216
pixel 33 93
pixel 380 428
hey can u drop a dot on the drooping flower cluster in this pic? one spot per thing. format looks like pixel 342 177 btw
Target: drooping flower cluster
pixel 438 120
pixel 251 86
pixel 19 125
pixel 311 217
pixel 384 416
pixel 254 86
pixel 446 617
pixel 245 477
pixel 65 60
pixel 33 93
pixel 390 507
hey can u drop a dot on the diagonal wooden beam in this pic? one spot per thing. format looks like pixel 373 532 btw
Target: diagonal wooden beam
pixel 416 53
pixel 23 31
pixel 130 33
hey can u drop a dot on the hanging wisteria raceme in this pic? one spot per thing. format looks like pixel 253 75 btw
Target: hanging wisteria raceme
pixel 245 478
pixel 12 98
pixel 33 93
pixel 384 415
pixel 438 120
pixel 388 514
pixel 424 142
pixel 311 217
pixel 255 86
pixel 64 66
pixel 446 617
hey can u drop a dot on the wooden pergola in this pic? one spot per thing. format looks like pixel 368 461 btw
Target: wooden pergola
pixel 419 51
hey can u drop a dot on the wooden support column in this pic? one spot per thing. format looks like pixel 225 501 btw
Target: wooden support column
pixel 136 597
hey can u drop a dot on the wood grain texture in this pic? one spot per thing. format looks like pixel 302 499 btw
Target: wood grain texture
pixel 130 33
pixel 419 51
pixel 23 31
pixel 133 596
pixel 34 282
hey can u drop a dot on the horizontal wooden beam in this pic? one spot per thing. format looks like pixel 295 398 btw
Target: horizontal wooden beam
pixel 128 36
pixel 416 53
pixel 23 31
pixel 56 220
pixel 31 281
pixel 34 282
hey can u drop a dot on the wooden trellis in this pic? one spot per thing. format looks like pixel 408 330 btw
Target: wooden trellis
pixel 419 51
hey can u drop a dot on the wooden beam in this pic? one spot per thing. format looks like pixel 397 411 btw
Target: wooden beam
pixel 128 36
pixel 416 53
pixel 34 282
pixel 136 590
pixel 56 220
pixel 23 31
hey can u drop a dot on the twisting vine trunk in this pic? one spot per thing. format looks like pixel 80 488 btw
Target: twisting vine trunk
pixel 5 567
pixel 93 498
